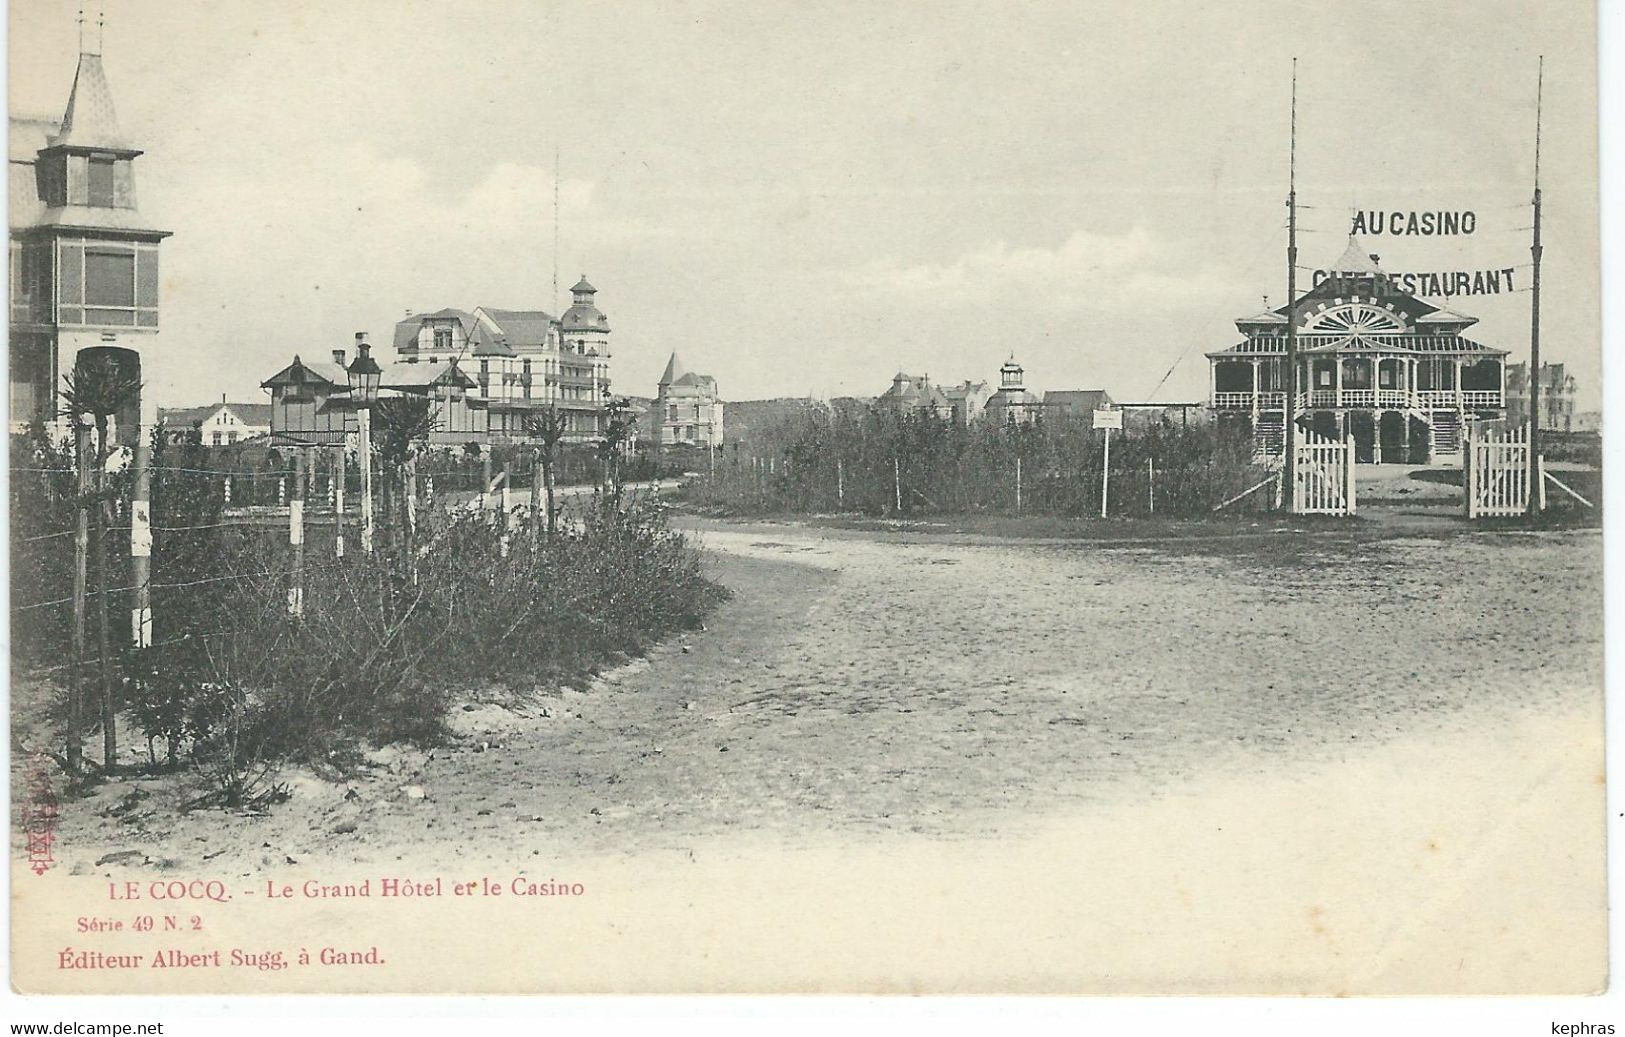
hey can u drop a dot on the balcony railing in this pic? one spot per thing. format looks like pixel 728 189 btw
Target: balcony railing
pixel 1397 399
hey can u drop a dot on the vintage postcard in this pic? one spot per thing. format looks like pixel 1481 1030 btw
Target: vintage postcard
pixel 1082 498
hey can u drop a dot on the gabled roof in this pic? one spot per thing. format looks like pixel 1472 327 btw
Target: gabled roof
pixel 701 380
pixel 406 331
pixel 1012 398
pixel 908 388
pixel 1419 344
pixel 1266 317
pixel 964 390
pixel 1081 399
pixel 251 413
pixel 1443 315
pixel 185 417
pixel 514 329
pixel 417 377
pixel 322 372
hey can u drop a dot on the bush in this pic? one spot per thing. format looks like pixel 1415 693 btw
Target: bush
pixel 880 463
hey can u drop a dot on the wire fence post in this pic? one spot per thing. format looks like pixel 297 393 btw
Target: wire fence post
pixel 840 485
pixel 1018 484
pixel 141 529
pixel 81 566
pixel 1150 486
pixel 339 477
pixel 506 518
pixel 103 516
pixel 897 484
pixel 296 538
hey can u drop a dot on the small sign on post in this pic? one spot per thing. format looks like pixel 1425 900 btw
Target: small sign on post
pixel 1106 420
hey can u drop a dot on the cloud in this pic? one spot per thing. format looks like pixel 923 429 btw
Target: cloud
pixel 1088 272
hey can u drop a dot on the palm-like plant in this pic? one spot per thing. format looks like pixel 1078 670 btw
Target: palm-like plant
pixel 91 395
pixel 619 424
pixel 401 429
pixel 547 427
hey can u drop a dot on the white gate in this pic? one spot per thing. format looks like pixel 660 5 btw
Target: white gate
pixel 1495 479
pixel 1323 483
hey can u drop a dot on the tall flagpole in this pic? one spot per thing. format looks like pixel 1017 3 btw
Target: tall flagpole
pixel 1534 316
pixel 1289 465
pixel 554 302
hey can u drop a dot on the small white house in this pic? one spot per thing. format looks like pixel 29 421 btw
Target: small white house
pixel 220 424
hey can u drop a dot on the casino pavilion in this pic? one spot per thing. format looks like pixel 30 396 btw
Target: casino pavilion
pixel 1395 371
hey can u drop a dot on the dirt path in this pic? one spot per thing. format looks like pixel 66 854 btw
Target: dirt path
pixel 861 683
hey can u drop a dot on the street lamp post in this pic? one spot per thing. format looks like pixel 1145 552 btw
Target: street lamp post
pixel 364 374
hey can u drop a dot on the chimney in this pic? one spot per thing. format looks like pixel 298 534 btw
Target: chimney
pixel 338 357
pixel 360 339
pixel 409 313
pixel 222 397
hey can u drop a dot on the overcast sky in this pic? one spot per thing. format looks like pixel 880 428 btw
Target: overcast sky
pixel 806 198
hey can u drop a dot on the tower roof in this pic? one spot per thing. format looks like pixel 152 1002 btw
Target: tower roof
pixel 1355 260
pixel 583 286
pixel 674 370
pixel 90 120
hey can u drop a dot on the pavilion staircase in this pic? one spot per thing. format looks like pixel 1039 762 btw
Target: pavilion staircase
pixel 1445 429
pixel 1269 436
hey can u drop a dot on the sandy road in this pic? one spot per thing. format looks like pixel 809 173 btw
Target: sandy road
pixel 1289 762
pixel 864 682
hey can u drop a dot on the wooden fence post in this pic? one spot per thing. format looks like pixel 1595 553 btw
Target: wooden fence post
pixel 1150 486
pixel 897 483
pixel 1467 473
pixel 1018 484
pixel 1349 505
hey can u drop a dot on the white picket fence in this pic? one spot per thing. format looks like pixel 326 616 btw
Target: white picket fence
pixel 1496 476
pixel 1324 479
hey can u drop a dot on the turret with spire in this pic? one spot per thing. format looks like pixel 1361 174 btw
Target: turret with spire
pixel 85 278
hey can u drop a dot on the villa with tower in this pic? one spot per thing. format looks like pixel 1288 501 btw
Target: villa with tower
pixel 486 370
pixel 688 411
pixel 84 263
pixel 1396 372
pixel 521 360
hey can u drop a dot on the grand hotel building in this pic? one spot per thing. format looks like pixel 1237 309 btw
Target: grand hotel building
pixel 1395 371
